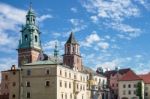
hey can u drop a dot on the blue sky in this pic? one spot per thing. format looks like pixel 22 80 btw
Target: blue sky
pixel 111 33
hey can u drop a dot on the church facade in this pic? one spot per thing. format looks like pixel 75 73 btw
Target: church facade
pixel 40 77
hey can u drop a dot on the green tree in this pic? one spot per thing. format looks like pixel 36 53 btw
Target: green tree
pixel 139 90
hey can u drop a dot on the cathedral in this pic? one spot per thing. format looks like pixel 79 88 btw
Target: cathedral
pixel 38 76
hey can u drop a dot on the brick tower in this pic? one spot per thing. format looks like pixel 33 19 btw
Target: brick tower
pixel 72 55
pixel 29 45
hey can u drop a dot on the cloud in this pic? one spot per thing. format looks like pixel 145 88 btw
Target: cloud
pixel 10 19
pixel 6 63
pixel 78 25
pixel 115 9
pixel 103 45
pixel 112 14
pixel 74 10
pixel 109 65
pixel 92 38
pixel 44 17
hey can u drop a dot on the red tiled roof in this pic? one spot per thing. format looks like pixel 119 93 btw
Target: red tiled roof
pixel 130 76
pixel 113 72
pixel 146 78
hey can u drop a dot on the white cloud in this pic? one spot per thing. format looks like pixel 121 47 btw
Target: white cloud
pixel 78 25
pixel 74 10
pixel 6 63
pixel 44 17
pixel 10 19
pixel 114 13
pixel 92 38
pixel 109 64
pixel 94 18
pixel 115 9
pixel 103 45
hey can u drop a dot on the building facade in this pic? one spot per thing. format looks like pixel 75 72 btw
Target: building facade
pixel 40 77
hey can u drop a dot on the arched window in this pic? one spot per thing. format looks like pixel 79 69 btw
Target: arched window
pixel 35 38
pixel 26 37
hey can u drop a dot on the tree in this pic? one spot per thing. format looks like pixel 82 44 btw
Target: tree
pixel 139 90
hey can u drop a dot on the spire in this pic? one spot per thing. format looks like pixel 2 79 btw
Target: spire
pixel 71 39
pixel 56 50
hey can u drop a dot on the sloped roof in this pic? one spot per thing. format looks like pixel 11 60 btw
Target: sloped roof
pixel 91 71
pixel 71 39
pixel 113 72
pixel 130 76
pixel 46 62
pixel 146 78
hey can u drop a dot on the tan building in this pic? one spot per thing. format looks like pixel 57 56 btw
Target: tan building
pixel 128 86
pixel 41 77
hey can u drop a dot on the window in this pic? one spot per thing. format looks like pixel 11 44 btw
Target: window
pixel 83 87
pixel 13 96
pixel 73 49
pixel 62 95
pixel 26 37
pixel 75 76
pixel 28 84
pixel 47 72
pixel 77 86
pixel 60 72
pixel 124 86
pixel 65 74
pixel 6 77
pixel 112 85
pixel 80 87
pixel 65 96
pixel 28 72
pixel 69 75
pixel 129 92
pixel 70 96
pixel 13 84
pixel 28 95
pixel 47 83
pixel 81 78
pixel 60 83
pixel 14 73
pixel 65 84
pixel 68 49
pixel 35 38
pixel 146 94
pixel 82 96
pixel 27 19
pixel 129 86
pixel 69 84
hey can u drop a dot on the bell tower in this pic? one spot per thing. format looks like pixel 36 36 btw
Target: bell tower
pixel 29 46
pixel 72 55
